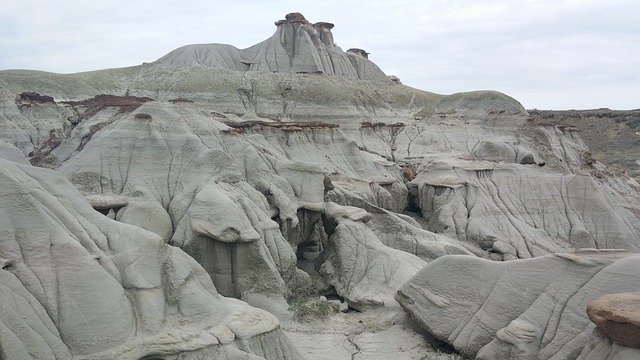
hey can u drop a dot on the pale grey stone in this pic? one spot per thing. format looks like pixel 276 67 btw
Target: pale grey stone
pixel 71 276
pixel 520 309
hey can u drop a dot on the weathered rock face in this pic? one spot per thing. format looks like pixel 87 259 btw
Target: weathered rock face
pixel 269 178
pixel 612 135
pixel 600 346
pixel 360 264
pixel 490 204
pixel 297 46
pixel 229 191
pixel 618 317
pixel 71 276
pixel 521 309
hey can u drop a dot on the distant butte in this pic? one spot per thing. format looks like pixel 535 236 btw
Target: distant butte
pixel 297 46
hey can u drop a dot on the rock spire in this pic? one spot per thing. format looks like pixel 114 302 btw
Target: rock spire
pixel 297 46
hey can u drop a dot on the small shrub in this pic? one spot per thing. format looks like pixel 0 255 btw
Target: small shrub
pixel 301 289
pixel 180 100
pixel 304 300
pixel 311 309
pixel 142 116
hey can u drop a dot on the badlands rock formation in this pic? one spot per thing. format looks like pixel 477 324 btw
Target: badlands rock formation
pixel 297 46
pixel 612 135
pixel 526 309
pixel 76 284
pixel 183 189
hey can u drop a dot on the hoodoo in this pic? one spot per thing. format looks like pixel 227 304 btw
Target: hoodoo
pixel 297 46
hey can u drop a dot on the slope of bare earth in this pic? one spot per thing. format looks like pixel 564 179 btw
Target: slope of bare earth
pixel 373 335
pixel 613 136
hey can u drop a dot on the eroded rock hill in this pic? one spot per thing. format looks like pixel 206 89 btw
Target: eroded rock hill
pixel 613 136
pixel 527 309
pixel 76 284
pixel 297 46
pixel 268 180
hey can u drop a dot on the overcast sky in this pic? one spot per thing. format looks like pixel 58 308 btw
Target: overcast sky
pixel 548 54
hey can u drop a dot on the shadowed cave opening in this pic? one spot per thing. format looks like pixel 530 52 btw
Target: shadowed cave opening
pixel 110 212
pixel 313 248
pixel 435 343
pixel 309 239
pixel 313 241
pixel 413 203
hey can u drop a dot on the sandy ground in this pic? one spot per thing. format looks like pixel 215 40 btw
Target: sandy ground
pixel 382 334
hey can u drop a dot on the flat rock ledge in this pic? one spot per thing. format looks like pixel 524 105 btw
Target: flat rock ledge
pixel 618 316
